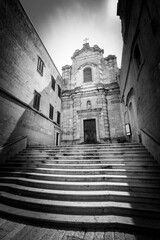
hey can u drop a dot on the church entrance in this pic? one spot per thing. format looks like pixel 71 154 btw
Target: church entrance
pixel 90 131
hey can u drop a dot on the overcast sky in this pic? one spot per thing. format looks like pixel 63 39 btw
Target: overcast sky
pixel 64 24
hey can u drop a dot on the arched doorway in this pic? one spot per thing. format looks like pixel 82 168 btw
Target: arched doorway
pixel 133 121
pixel 132 115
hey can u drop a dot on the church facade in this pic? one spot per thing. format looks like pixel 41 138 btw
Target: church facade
pixel 91 108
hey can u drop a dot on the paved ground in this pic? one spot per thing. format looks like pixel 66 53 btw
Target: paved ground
pixel 18 231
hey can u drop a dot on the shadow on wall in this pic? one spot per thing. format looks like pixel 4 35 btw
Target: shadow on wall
pixel 20 119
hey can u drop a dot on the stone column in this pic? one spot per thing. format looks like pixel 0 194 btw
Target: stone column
pixel 74 119
pixel 105 116
pixel 76 106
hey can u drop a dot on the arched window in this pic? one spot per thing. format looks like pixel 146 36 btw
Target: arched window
pixel 87 74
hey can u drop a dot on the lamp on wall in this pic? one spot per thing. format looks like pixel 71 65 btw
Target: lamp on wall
pixel 128 129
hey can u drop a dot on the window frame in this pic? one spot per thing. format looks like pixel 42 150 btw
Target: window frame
pixel 36 100
pixel 84 74
pixel 40 66
pixel 53 83
pixel 59 91
pixel 51 111
pixel 58 117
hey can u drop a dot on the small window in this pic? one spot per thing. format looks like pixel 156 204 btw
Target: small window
pixel 137 56
pixel 87 75
pixel 58 117
pixel 59 91
pixel 53 83
pixel 40 66
pixel 51 110
pixel 36 100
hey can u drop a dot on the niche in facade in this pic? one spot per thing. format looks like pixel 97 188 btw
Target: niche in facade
pixel 89 104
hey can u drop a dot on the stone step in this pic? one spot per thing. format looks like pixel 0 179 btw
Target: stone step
pixel 83 183
pixel 82 208
pixel 85 178
pixel 87 151
pixel 78 162
pixel 90 154
pixel 87 146
pixel 90 145
pixel 92 222
pixel 142 187
pixel 109 171
pixel 70 165
pixel 83 157
pixel 66 195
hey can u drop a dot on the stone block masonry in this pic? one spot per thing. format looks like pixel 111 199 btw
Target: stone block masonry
pixel 21 78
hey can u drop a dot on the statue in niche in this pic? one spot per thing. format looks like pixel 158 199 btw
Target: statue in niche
pixel 89 104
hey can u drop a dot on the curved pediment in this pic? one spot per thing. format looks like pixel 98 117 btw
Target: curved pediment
pixel 86 48
pixel 87 64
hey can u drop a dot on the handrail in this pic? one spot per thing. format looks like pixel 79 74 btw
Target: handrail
pixel 12 142
pixel 151 136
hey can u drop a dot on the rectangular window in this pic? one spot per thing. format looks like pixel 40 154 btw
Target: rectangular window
pixel 36 100
pixel 58 117
pixel 53 83
pixel 40 66
pixel 59 91
pixel 51 110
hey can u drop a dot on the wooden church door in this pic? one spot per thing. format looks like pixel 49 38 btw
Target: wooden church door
pixel 90 131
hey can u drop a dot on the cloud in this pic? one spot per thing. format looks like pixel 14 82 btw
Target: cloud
pixel 63 24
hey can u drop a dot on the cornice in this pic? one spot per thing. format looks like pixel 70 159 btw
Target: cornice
pixel 86 48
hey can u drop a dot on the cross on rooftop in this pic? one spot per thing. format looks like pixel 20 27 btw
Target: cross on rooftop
pixel 85 40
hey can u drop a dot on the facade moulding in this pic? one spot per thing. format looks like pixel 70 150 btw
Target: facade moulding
pixel 96 91
pixel 87 64
pixel 95 110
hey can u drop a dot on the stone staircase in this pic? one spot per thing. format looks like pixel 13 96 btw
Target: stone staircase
pixel 87 186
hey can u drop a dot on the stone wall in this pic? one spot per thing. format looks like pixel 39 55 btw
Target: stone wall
pixel 140 73
pixel 20 48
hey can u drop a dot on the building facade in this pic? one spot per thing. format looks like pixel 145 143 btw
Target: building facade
pixel 91 108
pixel 30 84
pixel 140 71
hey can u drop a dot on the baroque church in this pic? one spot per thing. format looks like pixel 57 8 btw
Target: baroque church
pixel 91 110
